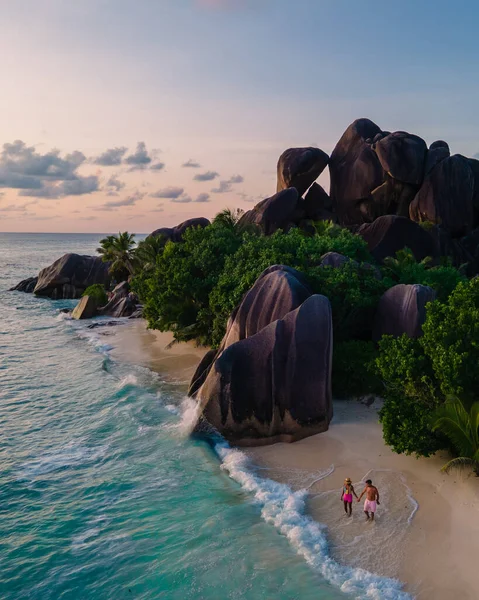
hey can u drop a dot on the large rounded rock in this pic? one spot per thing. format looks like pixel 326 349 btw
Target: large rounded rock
pixel 175 234
pixel 437 151
pixel 402 309
pixel 316 204
pixel 274 294
pixel 402 155
pixel 390 233
pixel 70 275
pixel 355 171
pixel 275 385
pixel 277 291
pixel 299 167
pixel 474 165
pixel 273 213
pixel 392 197
pixel 446 197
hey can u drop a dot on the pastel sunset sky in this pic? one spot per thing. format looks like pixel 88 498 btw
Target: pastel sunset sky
pixel 120 115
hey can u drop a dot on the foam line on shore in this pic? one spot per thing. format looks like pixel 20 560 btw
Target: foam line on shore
pixel 285 509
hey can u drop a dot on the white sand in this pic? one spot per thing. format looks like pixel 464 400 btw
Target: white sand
pixel 136 344
pixel 432 546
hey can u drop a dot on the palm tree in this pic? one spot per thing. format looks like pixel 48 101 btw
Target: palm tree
pixel 462 428
pixel 229 217
pixel 404 258
pixel 118 249
pixel 148 250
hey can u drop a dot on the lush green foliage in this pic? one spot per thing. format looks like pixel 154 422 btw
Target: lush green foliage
pixel 294 249
pixel 97 291
pixel 119 250
pixel 410 396
pixel 461 426
pixel 420 374
pixel 176 293
pixel 353 369
pixel 405 269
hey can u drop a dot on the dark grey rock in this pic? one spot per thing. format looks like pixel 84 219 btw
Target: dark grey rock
pixel 275 385
pixel 402 309
pixel 299 167
pixel 390 233
pixel 70 275
pixel 273 213
pixel 402 155
pixel 175 234
pixel 437 151
pixel 27 285
pixel 446 197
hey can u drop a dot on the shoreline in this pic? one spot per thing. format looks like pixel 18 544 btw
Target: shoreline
pixel 427 523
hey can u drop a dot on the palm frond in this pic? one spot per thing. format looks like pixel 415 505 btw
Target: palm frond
pixel 461 463
pixel 453 420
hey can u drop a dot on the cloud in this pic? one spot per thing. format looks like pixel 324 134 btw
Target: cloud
pixel 140 159
pixel 183 199
pixel 225 185
pixel 159 166
pixel 111 157
pixel 16 207
pixel 114 183
pixel 157 210
pixel 87 218
pixel 192 164
pixel 208 176
pixel 46 175
pixel 130 200
pixel 202 198
pixel 168 192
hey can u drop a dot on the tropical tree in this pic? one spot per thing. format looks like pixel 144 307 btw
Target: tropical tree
pixel 229 217
pixel 119 251
pixel 147 252
pixel 462 428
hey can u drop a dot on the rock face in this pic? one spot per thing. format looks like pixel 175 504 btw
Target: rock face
pixel 85 309
pixel 299 167
pixel 122 302
pixel 334 259
pixel 402 156
pixel 391 233
pixel 355 171
pixel 175 234
pixel 70 275
pixel 27 285
pixel 273 213
pixel 446 197
pixel 402 309
pixel 275 385
pixel 317 204
pixel 276 292
pixel 437 151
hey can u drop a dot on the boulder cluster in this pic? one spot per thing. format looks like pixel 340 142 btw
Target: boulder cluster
pixel 389 188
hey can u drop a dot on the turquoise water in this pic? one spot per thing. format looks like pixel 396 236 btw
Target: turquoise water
pixel 103 496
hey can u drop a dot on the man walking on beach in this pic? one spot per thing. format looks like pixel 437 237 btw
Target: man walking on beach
pixel 372 499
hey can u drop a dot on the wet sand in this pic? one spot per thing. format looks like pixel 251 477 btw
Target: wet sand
pixel 156 350
pixel 427 523
pixel 427 527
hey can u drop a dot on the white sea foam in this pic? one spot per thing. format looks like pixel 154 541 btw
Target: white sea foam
pixel 129 379
pixel 285 509
pixel 64 316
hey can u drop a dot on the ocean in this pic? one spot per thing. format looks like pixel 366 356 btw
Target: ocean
pixel 103 495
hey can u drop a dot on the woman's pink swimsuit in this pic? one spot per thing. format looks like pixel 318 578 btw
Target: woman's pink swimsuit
pixel 347 497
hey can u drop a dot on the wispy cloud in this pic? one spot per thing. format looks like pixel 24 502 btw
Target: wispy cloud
pixel 111 157
pixel 183 199
pixel 168 192
pixel 140 159
pixel 208 176
pixel 130 200
pixel 226 184
pixel 202 198
pixel 159 166
pixel 191 164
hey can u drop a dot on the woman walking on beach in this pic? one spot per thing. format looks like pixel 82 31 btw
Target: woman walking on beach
pixel 347 496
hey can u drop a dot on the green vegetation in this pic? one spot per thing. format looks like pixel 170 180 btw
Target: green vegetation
pixel 97 291
pixel 461 426
pixel 192 287
pixel 119 250
pixel 419 375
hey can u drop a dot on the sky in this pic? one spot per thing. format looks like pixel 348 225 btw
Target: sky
pixel 120 115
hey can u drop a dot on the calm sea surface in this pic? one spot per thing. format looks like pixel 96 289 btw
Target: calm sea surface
pixel 102 496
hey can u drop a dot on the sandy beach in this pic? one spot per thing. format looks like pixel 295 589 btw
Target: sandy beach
pixel 427 524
